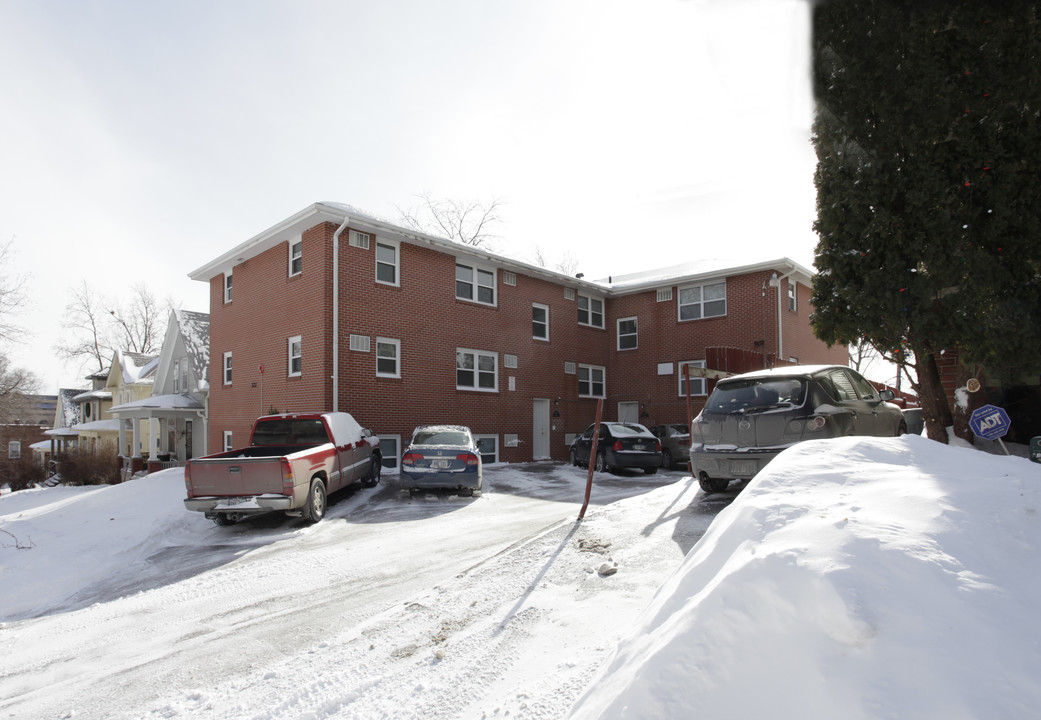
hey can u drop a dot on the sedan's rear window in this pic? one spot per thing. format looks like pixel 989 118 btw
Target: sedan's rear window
pixel 440 437
pixel 757 395
pixel 622 429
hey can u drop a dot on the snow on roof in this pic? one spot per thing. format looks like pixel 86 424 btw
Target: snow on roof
pixel 62 432
pixel 93 395
pixel 70 410
pixel 160 402
pixel 138 368
pixel 704 268
pixel 98 426
pixel 195 330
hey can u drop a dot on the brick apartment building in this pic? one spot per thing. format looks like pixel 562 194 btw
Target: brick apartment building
pixel 412 329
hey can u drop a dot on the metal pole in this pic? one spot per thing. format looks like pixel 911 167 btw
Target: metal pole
pixel 592 457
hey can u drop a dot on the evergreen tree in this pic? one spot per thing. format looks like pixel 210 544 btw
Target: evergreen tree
pixel 929 184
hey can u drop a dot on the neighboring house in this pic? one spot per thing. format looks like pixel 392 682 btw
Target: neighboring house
pixel 24 427
pixel 95 430
pixel 61 436
pixel 413 329
pixel 173 416
pixel 129 378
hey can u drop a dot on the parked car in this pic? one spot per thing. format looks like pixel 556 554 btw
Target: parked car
pixel 442 456
pixel 675 443
pixel 620 445
pixel 749 419
pixel 293 461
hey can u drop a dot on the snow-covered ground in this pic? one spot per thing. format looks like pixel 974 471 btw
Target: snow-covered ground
pixel 855 578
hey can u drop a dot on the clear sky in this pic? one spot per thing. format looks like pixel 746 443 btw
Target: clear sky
pixel 139 140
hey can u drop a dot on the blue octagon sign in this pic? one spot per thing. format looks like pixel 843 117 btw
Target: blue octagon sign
pixel 989 422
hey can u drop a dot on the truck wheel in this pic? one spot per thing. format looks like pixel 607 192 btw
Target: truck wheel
pixel 711 484
pixel 373 478
pixel 314 510
pixel 223 520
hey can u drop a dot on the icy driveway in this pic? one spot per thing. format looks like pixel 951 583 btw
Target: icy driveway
pixel 433 607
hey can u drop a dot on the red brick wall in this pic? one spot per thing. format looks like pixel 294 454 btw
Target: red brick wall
pixel 430 323
pixel 26 435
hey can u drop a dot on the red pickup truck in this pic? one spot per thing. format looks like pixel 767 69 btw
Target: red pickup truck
pixel 292 463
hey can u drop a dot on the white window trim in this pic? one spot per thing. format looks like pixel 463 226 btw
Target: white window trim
pixel 700 381
pixel 546 308
pixel 603 374
pixel 476 269
pixel 289 353
pixel 14 450
pixel 228 443
pixel 296 242
pixel 177 376
pixel 701 303
pixel 477 354
pixel 478 438
pixel 396 245
pixel 396 458
pixel 226 368
pixel 589 310
pixel 228 287
pixel 793 295
pixel 618 333
pixel 397 357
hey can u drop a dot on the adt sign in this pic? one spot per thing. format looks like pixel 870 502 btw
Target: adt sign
pixel 989 422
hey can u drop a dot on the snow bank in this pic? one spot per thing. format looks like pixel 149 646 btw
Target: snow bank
pixel 855 578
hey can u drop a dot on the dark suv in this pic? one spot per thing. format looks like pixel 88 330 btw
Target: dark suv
pixel 748 419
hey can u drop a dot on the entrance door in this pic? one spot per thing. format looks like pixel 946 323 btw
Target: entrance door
pixel 540 429
pixel 629 412
pixel 187 439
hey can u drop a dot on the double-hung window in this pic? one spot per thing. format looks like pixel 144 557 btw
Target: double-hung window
pixel 228 442
pixel 227 287
pixel 296 356
pixel 590 311
pixel 227 368
pixel 474 284
pixel 703 301
pixel 388 263
pixel 388 358
pixel 590 381
pixel 540 321
pixel 697 384
pixel 793 302
pixel 476 370
pixel 296 256
pixel 627 335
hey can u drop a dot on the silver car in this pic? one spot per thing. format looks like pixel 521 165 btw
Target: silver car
pixel 749 419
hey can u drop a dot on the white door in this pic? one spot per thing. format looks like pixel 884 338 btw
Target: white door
pixel 629 412
pixel 540 429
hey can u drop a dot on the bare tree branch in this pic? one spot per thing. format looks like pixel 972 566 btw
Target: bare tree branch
pixel 16 384
pixel 12 294
pixel 467 222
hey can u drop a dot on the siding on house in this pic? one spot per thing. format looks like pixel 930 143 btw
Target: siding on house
pixel 421 318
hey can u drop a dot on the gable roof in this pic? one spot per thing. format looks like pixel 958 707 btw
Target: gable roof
pixel 195 330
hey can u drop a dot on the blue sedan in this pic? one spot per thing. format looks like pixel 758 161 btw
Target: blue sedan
pixel 442 456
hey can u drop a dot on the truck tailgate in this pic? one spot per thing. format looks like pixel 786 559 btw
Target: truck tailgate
pixel 236 476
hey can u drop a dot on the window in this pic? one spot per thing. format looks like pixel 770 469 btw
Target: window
pixel 227 368
pixel 177 376
pixel 388 354
pixel 697 384
pixel 227 288
pixel 590 381
pixel 488 446
pixel 792 296
pixel 296 356
pixel 476 370
pixel 627 336
pixel 703 301
pixel 590 311
pixel 540 321
pixel 184 375
pixel 387 265
pixel 227 441
pixel 474 284
pixel 296 256
pixel 360 239
pixel 359 343
pixel 14 450
pixel 390 450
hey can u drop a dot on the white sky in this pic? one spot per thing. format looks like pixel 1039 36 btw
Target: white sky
pixel 140 140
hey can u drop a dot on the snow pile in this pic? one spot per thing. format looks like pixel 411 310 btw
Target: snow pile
pixel 856 578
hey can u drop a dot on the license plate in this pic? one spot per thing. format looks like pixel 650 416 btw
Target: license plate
pixel 639 447
pixel 743 467
pixel 440 464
